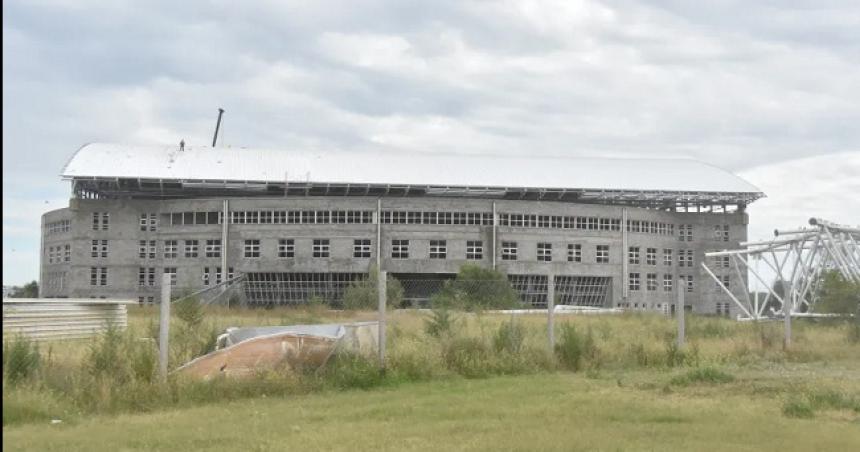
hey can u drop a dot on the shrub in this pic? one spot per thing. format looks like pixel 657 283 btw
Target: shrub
pixel 475 289
pixel 509 337
pixel 467 356
pixel 363 294
pixel 441 323
pixel 21 359
pixel 569 348
pixel 189 310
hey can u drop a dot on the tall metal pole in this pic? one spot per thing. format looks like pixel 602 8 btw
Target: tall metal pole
pixel 381 288
pixel 164 326
pixel 225 221
pixel 217 126
pixel 550 311
pixel 679 311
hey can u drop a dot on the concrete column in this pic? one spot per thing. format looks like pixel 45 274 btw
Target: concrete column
pixel 550 309
pixel 383 295
pixel 625 284
pixel 379 234
pixel 224 228
pixel 164 326
pixel 679 312
pixel 495 234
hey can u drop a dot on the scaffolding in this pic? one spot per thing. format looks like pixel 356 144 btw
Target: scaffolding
pixel 798 258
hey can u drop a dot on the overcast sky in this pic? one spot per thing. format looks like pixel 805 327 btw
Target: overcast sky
pixel 768 89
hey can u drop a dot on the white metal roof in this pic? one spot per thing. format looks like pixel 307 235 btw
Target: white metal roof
pixel 102 160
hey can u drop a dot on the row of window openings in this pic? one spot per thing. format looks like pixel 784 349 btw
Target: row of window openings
pixel 634 282
pixel 59 254
pixel 544 252
pixel 149 221
pixel 685 257
pixel 57 227
pixel 146 275
pixel 273 217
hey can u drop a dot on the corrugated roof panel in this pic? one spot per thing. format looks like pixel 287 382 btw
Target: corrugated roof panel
pixel 263 165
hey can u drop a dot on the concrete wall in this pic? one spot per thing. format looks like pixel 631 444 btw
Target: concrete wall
pixel 124 232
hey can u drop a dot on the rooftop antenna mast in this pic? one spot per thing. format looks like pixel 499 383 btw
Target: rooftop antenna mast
pixel 217 126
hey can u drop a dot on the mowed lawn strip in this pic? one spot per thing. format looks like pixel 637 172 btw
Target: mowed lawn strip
pixel 538 412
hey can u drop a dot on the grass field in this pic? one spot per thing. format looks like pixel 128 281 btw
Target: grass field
pixel 560 411
pixel 486 382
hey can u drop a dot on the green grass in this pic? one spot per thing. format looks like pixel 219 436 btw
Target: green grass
pixel 618 359
pixel 560 411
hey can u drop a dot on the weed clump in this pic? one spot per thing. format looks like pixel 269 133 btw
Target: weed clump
pixel 706 375
pixel 570 348
pixel 21 359
pixel 798 408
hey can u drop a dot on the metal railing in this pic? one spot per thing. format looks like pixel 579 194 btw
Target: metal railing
pixel 54 319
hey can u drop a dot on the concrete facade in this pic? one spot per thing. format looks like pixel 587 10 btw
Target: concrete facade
pixel 70 274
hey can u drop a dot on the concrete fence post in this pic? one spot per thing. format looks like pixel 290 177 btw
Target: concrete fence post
pixel 679 311
pixel 164 326
pixel 786 311
pixel 381 288
pixel 550 311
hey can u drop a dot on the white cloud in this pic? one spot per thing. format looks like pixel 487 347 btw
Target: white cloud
pixel 732 83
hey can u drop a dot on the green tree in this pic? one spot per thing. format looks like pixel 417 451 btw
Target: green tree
pixel 30 290
pixel 477 288
pixel 363 294
pixel 837 294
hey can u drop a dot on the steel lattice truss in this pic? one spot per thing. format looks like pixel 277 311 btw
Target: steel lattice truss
pixel 798 258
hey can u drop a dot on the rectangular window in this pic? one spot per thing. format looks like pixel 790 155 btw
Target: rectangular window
pixel 400 249
pixel 667 256
pixel 667 283
pixel 633 283
pixel 689 279
pixel 191 247
pixel 361 248
pixel 474 249
pixel 723 279
pixel 690 258
pixel 651 256
pixel 685 232
pixel 651 281
pixel 105 221
pixel 286 248
pixel 141 249
pixel 170 249
pixel 602 254
pixel 213 248
pixel 96 221
pixel 633 255
pixel 152 249
pixel 144 222
pixel 206 277
pixel 94 249
pixel 252 248
pixel 721 232
pixel 722 261
pixel 321 248
pixel 172 272
pixel 574 252
pixel 544 252
pixel 94 276
pixel 509 251
pixel 438 249
pixel 153 222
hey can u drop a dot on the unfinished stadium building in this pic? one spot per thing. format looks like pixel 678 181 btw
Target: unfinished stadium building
pixel 612 232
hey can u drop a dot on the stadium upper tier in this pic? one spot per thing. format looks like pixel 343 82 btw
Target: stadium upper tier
pixel 117 170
